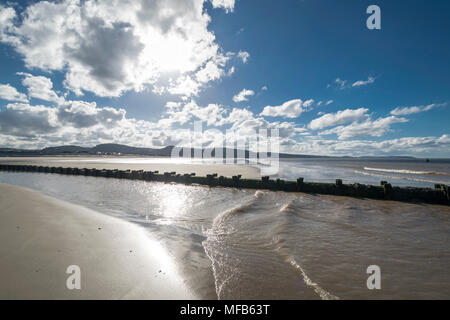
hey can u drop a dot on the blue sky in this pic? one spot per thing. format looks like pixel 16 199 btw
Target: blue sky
pixel 142 72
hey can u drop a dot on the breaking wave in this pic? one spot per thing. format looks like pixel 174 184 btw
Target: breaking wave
pixel 405 171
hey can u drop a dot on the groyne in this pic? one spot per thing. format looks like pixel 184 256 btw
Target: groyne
pixel 385 191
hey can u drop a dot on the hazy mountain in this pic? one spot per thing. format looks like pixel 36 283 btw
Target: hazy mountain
pixel 123 149
pixel 64 149
pixel 120 149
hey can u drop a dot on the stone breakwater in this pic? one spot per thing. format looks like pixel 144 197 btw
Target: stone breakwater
pixel 385 191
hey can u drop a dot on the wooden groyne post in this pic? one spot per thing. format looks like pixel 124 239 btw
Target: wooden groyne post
pixel 385 191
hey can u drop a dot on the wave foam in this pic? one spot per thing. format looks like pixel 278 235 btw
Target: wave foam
pixel 405 171
pixel 398 177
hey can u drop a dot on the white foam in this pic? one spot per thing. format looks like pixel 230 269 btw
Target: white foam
pixel 398 177
pixel 323 294
pixel 405 171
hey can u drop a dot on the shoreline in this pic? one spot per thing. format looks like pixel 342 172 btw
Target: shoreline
pixel 385 191
pixel 248 172
pixel 41 236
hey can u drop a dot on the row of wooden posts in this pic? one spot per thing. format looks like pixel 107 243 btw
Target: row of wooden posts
pixel 385 191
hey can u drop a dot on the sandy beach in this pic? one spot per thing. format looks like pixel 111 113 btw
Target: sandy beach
pixel 146 164
pixel 41 236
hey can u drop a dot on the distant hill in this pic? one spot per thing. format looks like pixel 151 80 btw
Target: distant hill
pixel 104 149
pixel 120 149
pixel 123 149
pixel 64 150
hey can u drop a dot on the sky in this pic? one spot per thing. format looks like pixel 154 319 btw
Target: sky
pixel 142 72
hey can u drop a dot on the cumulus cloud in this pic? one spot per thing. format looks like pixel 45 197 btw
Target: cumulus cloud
pixel 109 47
pixel 367 128
pixel 243 95
pixel 228 5
pixel 80 114
pixel 363 82
pixel 213 70
pixel 340 83
pixel 344 84
pixel 212 114
pixel 340 117
pixel 244 55
pixel 184 86
pixel 238 115
pixel 40 87
pixel 247 127
pixel 308 103
pixel 289 109
pixel 413 146
pixel 242 122
pixel 403 111
pixel 83 123
pixel 178 113
pixel 8 92
pixel 6 23
pixel 23 120
pixel 324 103
pixel 74 122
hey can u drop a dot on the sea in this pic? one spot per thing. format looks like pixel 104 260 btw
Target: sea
pixel 253 244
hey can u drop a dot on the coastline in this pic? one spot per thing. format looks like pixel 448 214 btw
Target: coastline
pixel 385 191
pixel 121 163
pixel 41 236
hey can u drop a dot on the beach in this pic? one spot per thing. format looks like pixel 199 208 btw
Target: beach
pixel 216 242
pixel 42 236
pixel 140 163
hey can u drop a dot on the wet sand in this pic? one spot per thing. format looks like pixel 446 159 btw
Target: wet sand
pixel 41 236
pixel 146 164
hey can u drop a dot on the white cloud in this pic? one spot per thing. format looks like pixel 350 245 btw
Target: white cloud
pixel 8 92
pixel 6 23
pixel 367 128
pixel 179 113
pixel 109 47
pixel 341 83
pixel 25 121
pixel 412 146
pixel 185 86
pixel 84 123
pixel 308 103
pixel 40 87
pixel 228 5
pixel 231 71
pixel 325 103
pixel 264 88
pixel 340 117
pixel 289 109
pixel 74 122
pixel 238 115
pixel 213 70
pixel 242 121
pixel 244 55
pixel 363 82
pixel 243 95
pixel 248 127
pixel 80 114
pixel 403 111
